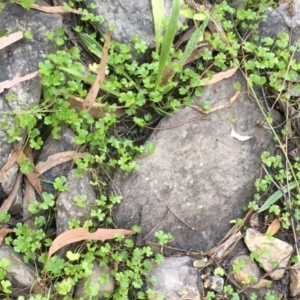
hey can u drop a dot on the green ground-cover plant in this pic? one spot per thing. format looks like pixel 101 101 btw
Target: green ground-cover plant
pixel 145 89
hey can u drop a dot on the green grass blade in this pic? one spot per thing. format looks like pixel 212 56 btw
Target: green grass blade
pixel 158 12
pixel 277 195
pixel 168 41
pixel 193 41
pixel 91 44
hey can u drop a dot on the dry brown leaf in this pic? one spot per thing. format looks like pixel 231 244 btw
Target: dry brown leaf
pixel 197 53
pixel 3 233
pixel 93 92
pixel 239 137
pixel 57 159
pixel 232 99
pixel 273 227
pixel 10 39
pixel 8 201
pixel 11 160
pixel 80 234
pixel 220 76
pixel 53 9
pixel 32 177
pixel 262 283
pixel 169 71
pixel 185 37
pixel 7 84
pixel 97 111
pixel 242 278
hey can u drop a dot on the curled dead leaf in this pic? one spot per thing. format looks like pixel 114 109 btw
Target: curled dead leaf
pixel 3 233
pixel 231 100
pixel 241 138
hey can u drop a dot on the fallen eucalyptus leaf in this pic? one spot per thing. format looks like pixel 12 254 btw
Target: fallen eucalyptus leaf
pixel 273 227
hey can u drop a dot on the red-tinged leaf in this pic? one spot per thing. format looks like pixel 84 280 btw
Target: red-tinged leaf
pixel 7 84
pixel 3 233
pixel 80 234
pixel 93 93
pixel 10 39
pixel 220 76
pixel 57 159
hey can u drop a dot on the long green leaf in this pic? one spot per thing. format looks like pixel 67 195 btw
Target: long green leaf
pixel 91 44
pixel 193 41
pixel 158 12
pixel 277 195
pixel 168 41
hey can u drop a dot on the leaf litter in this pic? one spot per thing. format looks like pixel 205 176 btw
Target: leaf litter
pixel 80 234
pixel 10 39
pixel 93 93
pixel 7 84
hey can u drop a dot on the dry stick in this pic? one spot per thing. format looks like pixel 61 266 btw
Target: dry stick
pixel 231 232
pixel 180 218
pixel 155 226
pixel 178 124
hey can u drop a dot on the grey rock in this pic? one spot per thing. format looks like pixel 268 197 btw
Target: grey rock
pixel 279 20
pixel 270 250
pixel 131 18
pixel 19 59
pixel 17 205
pixel 200 177
pixel 94 279
pixel 20 274
pixel 250 268
pixel 67 208
pixel 176 279
pixel 295 281
pixel 216 283
pixel 53 146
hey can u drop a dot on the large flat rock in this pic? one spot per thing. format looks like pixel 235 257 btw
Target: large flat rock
pixel 17 60
pixel 200 177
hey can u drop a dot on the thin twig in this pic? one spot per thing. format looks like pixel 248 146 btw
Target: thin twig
pixel 180 219
pixel 178 124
